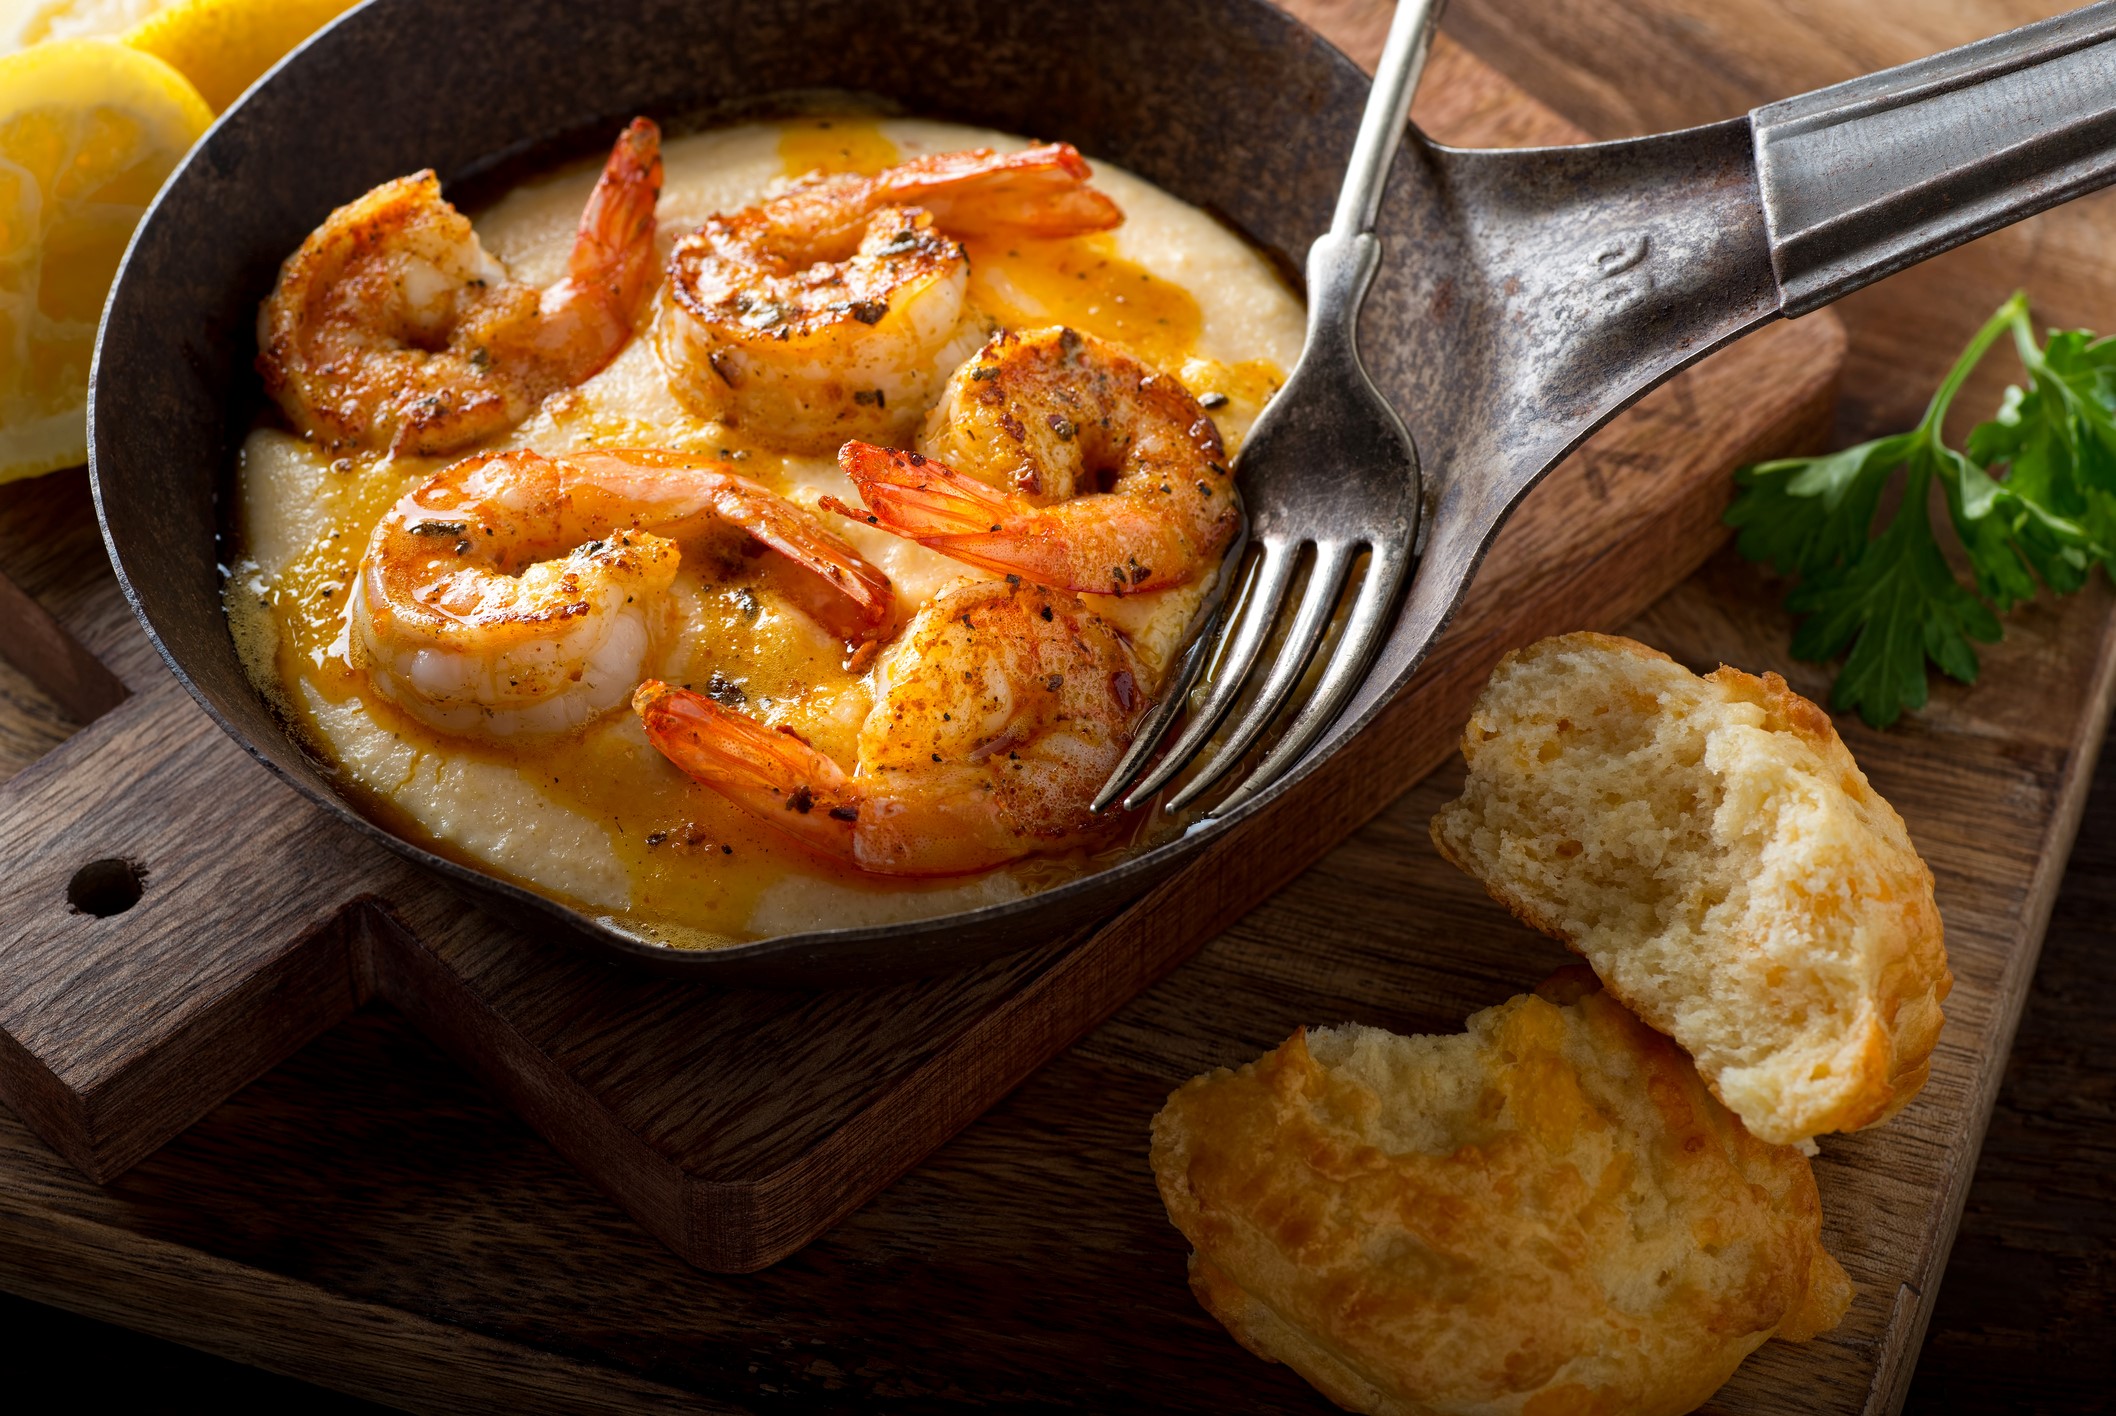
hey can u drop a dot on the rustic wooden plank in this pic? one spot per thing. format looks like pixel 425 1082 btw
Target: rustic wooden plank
pixel 32 721
pixel 116 1033
pixel 54 554
pixel 120 1274
pixel 38 648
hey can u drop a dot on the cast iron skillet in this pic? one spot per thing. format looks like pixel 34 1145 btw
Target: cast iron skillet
pixel 1572 278
pixel 1232 106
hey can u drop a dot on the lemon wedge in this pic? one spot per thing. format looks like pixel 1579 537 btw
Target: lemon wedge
pixel 224 46
pixel 88 130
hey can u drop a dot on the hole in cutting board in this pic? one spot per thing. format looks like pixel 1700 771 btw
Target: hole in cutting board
pixel 106 887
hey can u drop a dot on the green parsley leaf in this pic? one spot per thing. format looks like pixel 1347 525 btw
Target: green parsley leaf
pixel 2056 440
pixel 1894 607
pixel 2032 502
pixel 1807 515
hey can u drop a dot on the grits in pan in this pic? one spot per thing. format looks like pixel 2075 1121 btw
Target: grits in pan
pixel 596 817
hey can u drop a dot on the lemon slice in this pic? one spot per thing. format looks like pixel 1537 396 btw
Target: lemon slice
pixel 224 46
pixel 27 22
pixel 88 130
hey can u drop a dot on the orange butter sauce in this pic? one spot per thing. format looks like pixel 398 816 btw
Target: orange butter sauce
pixel 1083 282
pixel 835 145
pixel 698 871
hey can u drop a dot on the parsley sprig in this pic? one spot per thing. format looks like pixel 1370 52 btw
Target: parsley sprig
pixel 2031 500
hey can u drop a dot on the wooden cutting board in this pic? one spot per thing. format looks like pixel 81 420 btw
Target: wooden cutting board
pixel 734 1125
pixel 364 1217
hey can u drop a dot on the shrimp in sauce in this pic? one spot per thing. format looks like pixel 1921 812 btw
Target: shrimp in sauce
pixel 998 713
pixel 826 312
pixel 517 593
pixel 1058 457
pixel 392 329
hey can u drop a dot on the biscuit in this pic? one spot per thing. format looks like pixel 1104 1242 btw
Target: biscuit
pixel 1547 1213
pixel 1710 847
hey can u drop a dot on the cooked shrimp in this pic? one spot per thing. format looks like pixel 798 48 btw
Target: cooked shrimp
pixel 392 328
pixel 1016 456
pixel 517 593
pixel 824 312
pixel 998 713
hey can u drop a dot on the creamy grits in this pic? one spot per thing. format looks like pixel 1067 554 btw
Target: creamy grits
pixel 596 818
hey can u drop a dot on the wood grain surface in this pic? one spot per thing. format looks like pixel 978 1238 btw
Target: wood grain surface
pixel 367 1217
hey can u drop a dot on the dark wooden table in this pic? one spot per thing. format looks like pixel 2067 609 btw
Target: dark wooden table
pixel 2024 1320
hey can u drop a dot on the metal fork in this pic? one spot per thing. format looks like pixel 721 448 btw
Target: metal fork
pixel 1328 474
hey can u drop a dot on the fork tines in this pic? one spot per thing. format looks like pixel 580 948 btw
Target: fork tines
pixel 1232 641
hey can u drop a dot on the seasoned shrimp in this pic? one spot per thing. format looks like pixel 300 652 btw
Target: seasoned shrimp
pixel 824 312
pixel 517 593
pixel 392 328
pixel 998 713
pixel 1016 457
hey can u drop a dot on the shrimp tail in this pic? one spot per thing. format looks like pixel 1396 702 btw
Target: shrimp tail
pixel 1039 192
pixel 919 498
pixel 943 510
pixel 840 590
pixel 615 248
pixel 770 774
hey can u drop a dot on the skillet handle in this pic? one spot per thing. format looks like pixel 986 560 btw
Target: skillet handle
pixel 1865 178
pixel 173 923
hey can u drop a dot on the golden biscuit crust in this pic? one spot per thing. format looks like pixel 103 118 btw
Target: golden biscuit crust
pixel 1711 848
pixel 1546 1214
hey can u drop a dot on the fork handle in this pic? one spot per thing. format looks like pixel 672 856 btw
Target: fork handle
pixel 1388 108
pixel 1865 178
